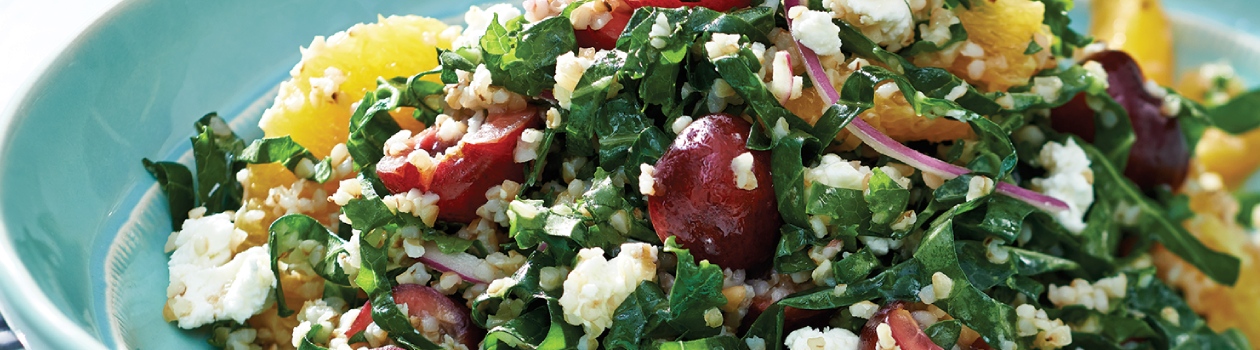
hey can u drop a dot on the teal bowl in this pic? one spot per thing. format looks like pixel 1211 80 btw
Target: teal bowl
pixel 82 225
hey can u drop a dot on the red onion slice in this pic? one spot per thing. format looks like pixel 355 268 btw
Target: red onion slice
pixel 463 264
pixel 887 146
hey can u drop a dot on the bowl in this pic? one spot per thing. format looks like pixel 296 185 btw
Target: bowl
pixel 82 225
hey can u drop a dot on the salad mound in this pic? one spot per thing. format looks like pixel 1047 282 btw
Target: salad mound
pixel 718 174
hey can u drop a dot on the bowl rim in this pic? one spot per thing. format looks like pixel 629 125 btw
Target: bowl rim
pixel 25 307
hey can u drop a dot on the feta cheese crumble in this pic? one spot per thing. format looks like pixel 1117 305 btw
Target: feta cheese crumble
pixel 815 30
pixel 888 23
pixel 826 338
pixel 1047 87
pixel 647 179
pixel 569 70
pixel 207 282
pixel 660 32
pixel 596 286
pixel 742 166
pixel 836 172
pixel 478 20
pixel 721 44
pixel 1069 179
pixel 527 146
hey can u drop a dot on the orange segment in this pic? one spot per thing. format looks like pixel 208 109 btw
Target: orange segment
pixel 1003 28
pixel 1214 224
pixel 1231 156
pixel 1140 28
pixel 314 106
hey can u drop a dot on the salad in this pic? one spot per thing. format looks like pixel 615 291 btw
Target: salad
pixel 727 174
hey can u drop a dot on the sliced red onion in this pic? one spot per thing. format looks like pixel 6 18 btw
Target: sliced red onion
pixel 887 146
pixel 463 264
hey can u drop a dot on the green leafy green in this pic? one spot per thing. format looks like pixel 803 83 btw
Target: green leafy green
pixel 285 151
pixel 214 150
pixel 697 288
pixel 1057 19
pixel 288 233
pixel 643 312
pixel 371 124
pixel 1110 182
pixel 177 182
pixel 1241 114
pixel 523 61
pixel 307 342
pixel 886 200
pixel 372 278
pixel 944 333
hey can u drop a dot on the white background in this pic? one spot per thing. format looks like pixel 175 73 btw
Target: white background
pixel 32 33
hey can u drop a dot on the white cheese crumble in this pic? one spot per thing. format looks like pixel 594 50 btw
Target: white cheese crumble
pixel 660 32
pixel 888 23
pixel 742 166
pixel 1096 70
pixel 836 172
pixel 314 312
pixel 1047 87
pixel 721 44
pixel 569 70
pixel 242 339
pixel 478 20
pixel 1069 179
pixel 781 128
pixel 647 180
pixel 208 283
pixel 936 30
pixel 527 146
pixel 826 338
pixel 815 30
pixel 538 10
pixel 596 286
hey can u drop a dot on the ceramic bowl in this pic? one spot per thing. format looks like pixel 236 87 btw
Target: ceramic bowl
pixel 82 225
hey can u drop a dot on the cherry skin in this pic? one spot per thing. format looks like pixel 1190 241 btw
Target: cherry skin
pixel 697 201
pixel 1160 154
pixel 427 303
pixel 480 160
pixel 904 329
